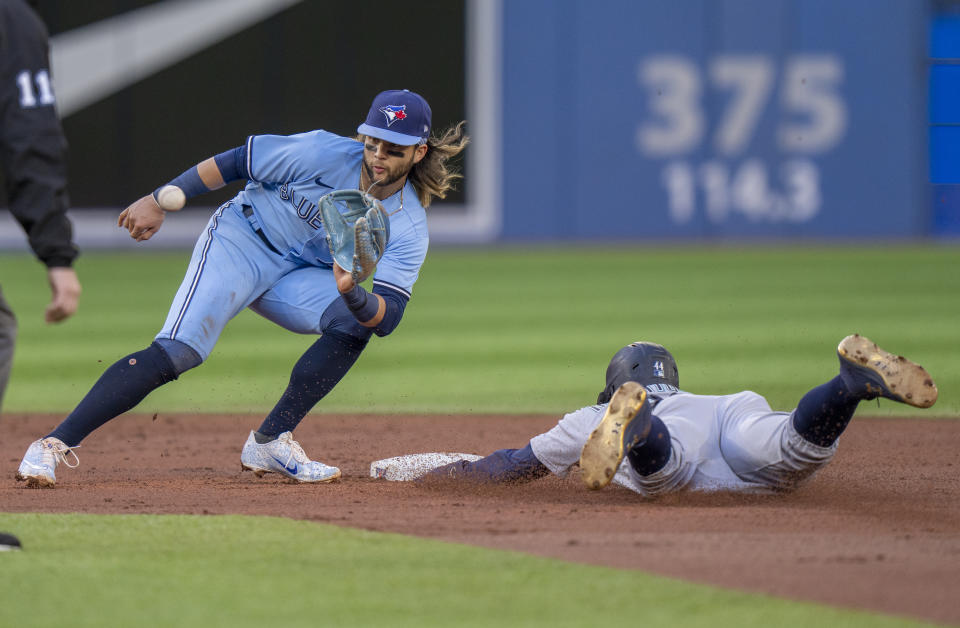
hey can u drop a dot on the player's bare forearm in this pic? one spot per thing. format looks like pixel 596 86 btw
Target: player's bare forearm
pixel 210 174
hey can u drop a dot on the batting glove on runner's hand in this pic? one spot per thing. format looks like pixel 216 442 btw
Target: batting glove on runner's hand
pixel 358 229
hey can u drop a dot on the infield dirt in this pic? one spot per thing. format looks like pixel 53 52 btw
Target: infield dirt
pixel 878 529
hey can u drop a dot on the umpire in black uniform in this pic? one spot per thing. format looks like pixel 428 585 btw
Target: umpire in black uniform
pixel 33 159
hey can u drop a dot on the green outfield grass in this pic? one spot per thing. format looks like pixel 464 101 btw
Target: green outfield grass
pixel 524 330
pixel 137 570
pixel 488 330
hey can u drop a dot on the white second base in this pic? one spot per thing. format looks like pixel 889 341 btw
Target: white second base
pixel 412 466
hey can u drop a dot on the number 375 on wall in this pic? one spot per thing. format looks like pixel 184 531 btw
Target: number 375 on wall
pixel 811 120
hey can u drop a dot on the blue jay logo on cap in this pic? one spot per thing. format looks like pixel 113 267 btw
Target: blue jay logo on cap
pixel 404 114
pixel 394 113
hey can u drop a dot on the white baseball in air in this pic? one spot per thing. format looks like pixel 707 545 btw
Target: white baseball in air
pixel 171 198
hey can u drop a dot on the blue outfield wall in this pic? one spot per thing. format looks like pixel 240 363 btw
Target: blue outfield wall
pixel 715 119
pixel 945 123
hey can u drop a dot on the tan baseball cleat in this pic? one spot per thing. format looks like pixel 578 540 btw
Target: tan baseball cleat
pixel 870 372
pixel 625 423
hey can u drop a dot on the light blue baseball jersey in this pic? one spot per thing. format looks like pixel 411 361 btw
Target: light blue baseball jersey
pixel 289 174
pixel 232 269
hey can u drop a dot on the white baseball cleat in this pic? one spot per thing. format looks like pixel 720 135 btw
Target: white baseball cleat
pixel 285 456
pixel 39 465
pixel 625 423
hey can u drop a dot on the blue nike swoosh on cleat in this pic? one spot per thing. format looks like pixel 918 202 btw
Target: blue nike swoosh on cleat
pixel 292 469
pixel 319 182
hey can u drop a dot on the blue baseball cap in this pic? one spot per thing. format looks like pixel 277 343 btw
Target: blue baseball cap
pixel 398 116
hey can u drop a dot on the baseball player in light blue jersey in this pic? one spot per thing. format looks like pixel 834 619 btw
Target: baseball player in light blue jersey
pixel 266 249
pixel 673 440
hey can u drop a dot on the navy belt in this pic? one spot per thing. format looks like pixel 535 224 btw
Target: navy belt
pixel 248 214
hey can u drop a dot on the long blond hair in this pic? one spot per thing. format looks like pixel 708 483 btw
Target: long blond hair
pixel 431 176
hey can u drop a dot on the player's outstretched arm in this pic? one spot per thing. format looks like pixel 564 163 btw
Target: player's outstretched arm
pixel 145 216
pixel 502 466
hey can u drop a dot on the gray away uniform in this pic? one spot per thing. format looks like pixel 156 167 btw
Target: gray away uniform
pixel 728 442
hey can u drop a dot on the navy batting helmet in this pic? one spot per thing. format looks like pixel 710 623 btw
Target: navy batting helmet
pixel 642 362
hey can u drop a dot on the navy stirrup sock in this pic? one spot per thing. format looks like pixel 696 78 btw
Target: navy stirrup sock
pixel 120 388
pixel 317 371
pixel 824 412
pixel 652 454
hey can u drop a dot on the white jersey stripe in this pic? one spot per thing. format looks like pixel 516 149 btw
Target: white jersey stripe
pixel 250 158
pixel 378 282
